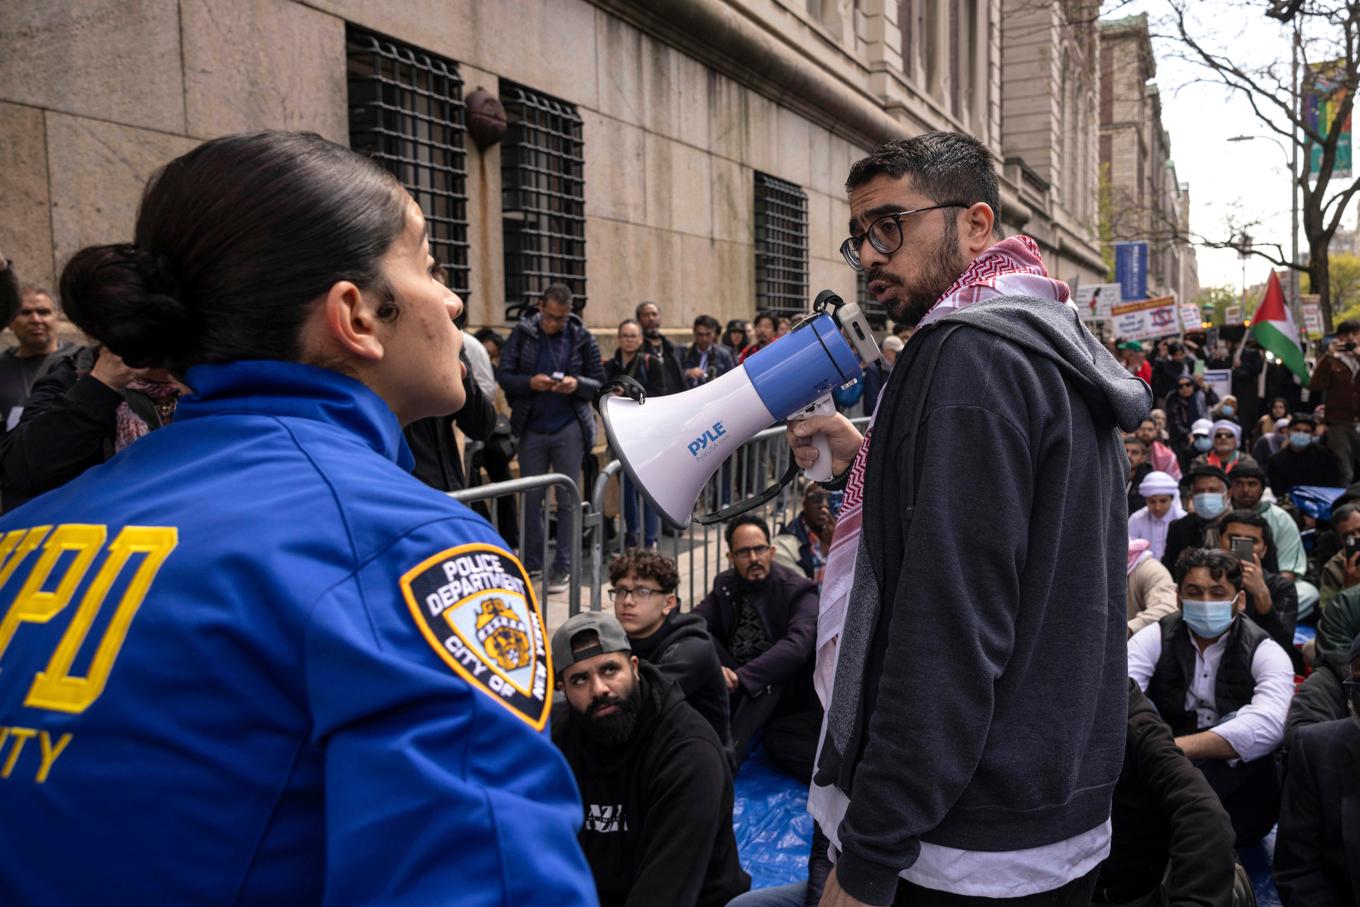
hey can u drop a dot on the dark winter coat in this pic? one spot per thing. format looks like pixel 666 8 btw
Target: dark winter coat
pixel 787 605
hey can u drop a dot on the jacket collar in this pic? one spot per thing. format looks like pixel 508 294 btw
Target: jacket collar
pixel 294 390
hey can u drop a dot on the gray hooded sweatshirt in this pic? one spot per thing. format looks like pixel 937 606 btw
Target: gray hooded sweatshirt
pixel 981 683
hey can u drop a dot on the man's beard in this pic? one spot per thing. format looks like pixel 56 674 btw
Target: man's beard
pixel 751 585
pixel 612 730
pixel 939 271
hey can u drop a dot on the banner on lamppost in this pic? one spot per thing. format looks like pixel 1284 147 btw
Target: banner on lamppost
pixel 1324 92
pixel 1130 268
pixel 1311 306
pixel 1232 315
pixel 1096 300
pixel 1146 319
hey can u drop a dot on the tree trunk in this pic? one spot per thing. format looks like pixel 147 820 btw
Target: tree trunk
pixel 1319 269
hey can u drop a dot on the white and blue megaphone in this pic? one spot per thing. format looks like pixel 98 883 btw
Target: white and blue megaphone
pixel 671 446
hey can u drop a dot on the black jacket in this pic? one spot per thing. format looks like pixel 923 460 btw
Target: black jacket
pixel 658 808
pixel 1314 465
pixel 1188 532
pixel 645 369
pixel 432 443
pixel 1319 698
pixel 69 425
pixel 1317 848
pixel 669 355
pixel 1165 812
pixel 1166 372
pixel 720 362
pixel 787 604
pixel 683 652
pixel 1183 412
pixel 997 667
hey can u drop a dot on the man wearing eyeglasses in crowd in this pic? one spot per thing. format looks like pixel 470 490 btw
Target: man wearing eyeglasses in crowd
pixel 642 588
pixel 763 619
pixel 972 629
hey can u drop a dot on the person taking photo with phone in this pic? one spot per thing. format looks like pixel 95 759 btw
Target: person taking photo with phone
pixel 1272 600
pixel 1337 377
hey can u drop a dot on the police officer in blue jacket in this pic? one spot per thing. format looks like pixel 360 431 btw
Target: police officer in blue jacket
pixel 250 659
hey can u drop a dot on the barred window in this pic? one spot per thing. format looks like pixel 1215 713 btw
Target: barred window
pixel 406 112
pixel 543 203
pixel 781 247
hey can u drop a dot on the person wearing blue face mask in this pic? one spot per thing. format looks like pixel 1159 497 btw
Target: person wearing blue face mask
pixel 1301 460
pixel 1199 528
pixel 1198 444
pixel 1222 684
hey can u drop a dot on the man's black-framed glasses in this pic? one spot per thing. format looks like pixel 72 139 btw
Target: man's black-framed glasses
pixel 885 234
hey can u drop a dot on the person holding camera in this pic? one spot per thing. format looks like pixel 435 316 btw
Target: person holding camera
pixel 1337 376
pixel 706 358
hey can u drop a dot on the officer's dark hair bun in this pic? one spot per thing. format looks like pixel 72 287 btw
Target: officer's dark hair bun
pixel 234 240
pixel 129 299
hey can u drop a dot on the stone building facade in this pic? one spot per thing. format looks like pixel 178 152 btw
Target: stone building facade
pixel 691 152
pixel 1144 200
pixel 1049 128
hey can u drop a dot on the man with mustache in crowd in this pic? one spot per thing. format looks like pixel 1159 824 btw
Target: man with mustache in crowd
pixel 654 779
pixel 763 620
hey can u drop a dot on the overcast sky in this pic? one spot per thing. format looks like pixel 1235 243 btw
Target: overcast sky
pixel 1242 178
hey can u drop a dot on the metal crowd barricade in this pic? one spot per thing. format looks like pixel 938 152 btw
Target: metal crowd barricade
pixel 568 498
pixel 697 550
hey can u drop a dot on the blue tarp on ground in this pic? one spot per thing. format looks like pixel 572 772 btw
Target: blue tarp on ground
pixel 774 831
pixel 773 828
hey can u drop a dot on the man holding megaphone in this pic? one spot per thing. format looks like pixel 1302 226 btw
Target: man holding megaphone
pixel 971 639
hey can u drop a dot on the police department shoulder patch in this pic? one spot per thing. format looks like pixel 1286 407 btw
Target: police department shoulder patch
pixel 475 606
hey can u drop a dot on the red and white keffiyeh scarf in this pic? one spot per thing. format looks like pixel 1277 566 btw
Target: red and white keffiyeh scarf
pixel 1012 267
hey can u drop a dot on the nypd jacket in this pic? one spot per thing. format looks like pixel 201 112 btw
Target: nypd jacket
pixel 250 659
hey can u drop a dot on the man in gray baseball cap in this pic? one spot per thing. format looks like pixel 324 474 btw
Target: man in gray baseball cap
pixel 586 635
pixel 653 777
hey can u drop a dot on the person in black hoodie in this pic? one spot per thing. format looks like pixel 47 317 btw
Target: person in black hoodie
pixel 643 592
pixel 654 779
pixel 1165 812
pixel 974 605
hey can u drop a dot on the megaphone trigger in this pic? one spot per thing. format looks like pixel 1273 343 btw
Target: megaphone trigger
pixel 820 471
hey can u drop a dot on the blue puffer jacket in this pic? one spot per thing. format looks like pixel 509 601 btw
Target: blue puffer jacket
pixel 252 660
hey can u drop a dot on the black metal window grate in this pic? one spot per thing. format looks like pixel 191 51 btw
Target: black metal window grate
pixel 781 247
pixel 543 203
pixel 406 112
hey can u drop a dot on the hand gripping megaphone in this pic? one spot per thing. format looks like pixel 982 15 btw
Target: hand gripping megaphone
pixel 671 446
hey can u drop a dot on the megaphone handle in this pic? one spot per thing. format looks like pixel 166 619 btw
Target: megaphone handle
pixel 821 471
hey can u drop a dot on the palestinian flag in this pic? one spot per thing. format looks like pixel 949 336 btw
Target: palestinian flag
pixel 1275 330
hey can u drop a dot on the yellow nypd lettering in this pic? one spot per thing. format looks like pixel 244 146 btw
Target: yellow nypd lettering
pixel 39 599
pixel 16 754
